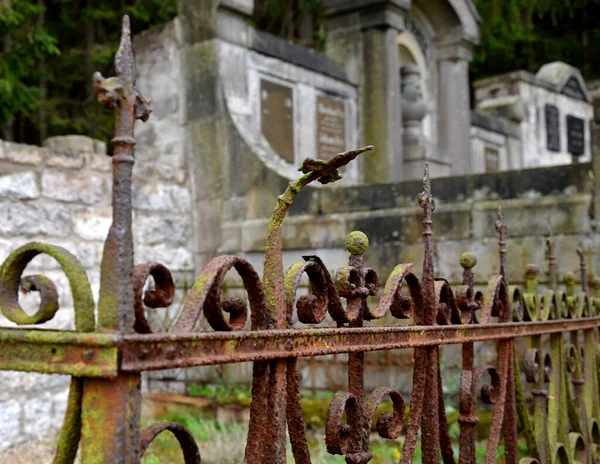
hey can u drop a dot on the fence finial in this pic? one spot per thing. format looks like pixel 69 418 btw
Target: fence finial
pixel 116 302
pixel 502 233
pixel 551 256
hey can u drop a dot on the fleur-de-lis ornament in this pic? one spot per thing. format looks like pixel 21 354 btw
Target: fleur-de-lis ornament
pixel 116 302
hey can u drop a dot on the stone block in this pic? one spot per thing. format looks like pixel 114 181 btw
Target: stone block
pixel 55 220
pixel 20 383
pixel 231 239
pixel 163 229
pixel 254 234
pixel 70 144
pixel 175 258
pixel 38 417
pixel 59 404
pixel 388 227
pixel 310 232
pixel 92 224
pixel 88 189
pixel 162 197
pixel 19 186
pixel 98 162
pixel 64 160
pixel 22 154
pixel 10 425
pixel 523 217
pixel 89 254
pixel 19 219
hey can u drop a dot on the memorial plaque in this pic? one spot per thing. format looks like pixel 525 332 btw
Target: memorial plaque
pixel 492 160
pixel 331 127
pixel 573 89
pixel 277 118
pixel 552 128
pixel 575 135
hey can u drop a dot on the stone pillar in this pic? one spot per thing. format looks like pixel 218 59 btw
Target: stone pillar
pixel 363 38
pixel 454 108
pixel 595 206
pixel 204 26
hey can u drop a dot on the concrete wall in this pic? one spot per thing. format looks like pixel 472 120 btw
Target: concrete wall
pixel 61 194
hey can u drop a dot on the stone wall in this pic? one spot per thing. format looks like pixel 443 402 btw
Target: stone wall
pixel 61 194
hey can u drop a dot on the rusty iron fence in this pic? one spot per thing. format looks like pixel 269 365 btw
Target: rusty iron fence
pixel 557 417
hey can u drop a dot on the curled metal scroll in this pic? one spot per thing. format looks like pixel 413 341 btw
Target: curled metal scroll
pixel 312 308
pixel 205 296
pixel 159 297
pixel 337 433
pixel 11 280
pixel 389 425
pixel 191 453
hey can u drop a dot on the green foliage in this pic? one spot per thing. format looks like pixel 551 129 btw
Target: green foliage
pixel 222 394
pixel 49 50
pixel 23 43
pixel 300 21
pixel 525 34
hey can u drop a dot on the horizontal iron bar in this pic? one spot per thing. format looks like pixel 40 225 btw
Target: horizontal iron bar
pixel 166 351
pixel 97 354
pixel 53 352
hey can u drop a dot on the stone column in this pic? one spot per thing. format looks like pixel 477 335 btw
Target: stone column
pixel 595 206
pixel 204 26
pixel 454 108
pixel 363 38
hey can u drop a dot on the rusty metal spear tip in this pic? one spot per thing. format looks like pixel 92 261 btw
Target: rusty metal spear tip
pixel 124 61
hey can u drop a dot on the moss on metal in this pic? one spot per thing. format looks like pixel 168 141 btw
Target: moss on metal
pixel 11 278
pixel 357 242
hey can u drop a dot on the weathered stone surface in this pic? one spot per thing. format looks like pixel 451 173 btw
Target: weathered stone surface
pixel 10 426
pixel 20 185
pixel 22 154
pixel 92 224
pixel 176 259
pixel 98 162
pixel 38 420
pixel 55 220
pixel 24 219
pixel 65 160
pixel 162 197
pixel 170 229
pixel 88 189
pixel 71 143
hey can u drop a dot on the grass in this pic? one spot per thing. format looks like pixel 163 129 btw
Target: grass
pixel 221 443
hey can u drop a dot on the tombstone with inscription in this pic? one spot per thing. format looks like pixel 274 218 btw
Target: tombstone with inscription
pixel 552 127
pixel 331 126
pixel 277 117
pixel 575 135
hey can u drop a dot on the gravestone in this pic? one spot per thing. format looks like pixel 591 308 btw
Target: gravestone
pixel 552 128
pixel 575 135
pixel 331 126
pixel 277 117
